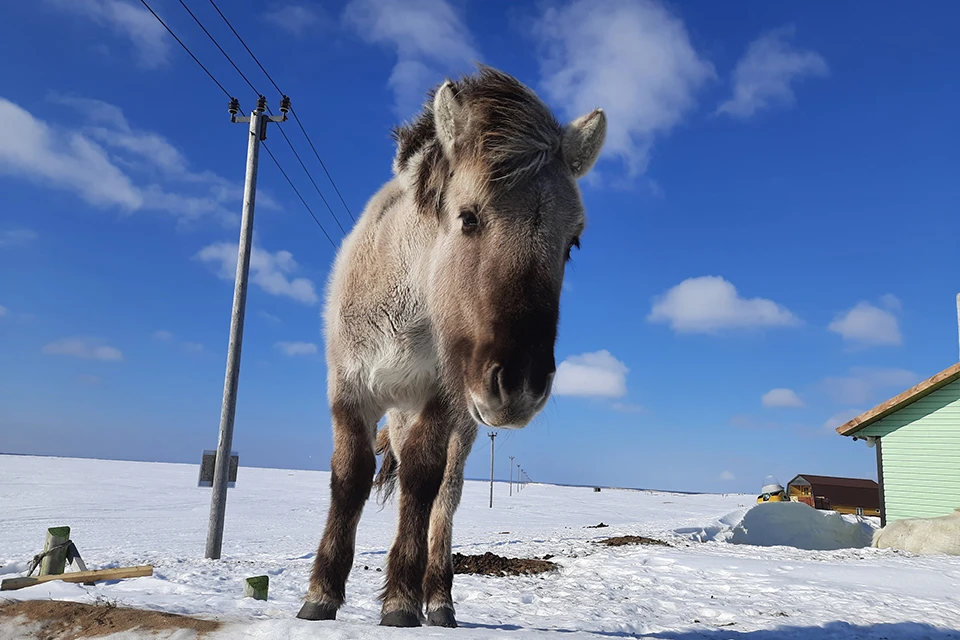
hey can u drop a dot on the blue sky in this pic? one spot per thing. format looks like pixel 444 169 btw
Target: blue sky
pixel 771 243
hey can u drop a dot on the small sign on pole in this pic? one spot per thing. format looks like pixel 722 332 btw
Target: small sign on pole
pixel 208 463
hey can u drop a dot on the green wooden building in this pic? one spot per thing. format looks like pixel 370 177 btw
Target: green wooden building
pixel 917 438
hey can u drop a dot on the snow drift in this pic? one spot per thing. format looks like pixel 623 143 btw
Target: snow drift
pixel 795 524
pixel 922 535
pixel 790 524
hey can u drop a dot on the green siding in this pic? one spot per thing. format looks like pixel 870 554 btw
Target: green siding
pixel 920 447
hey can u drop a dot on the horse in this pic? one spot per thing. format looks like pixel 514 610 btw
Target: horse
pixel 441 314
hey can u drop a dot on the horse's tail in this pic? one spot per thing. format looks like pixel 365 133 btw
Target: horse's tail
pixel 386 480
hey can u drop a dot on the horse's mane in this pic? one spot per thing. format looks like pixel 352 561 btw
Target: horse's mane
pixel 511 134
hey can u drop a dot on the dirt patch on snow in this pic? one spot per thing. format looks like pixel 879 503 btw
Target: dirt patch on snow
pixel 72 620
pixel 621 541
pixel 490 564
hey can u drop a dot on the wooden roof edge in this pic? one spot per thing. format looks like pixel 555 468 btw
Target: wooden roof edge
pixel 900 401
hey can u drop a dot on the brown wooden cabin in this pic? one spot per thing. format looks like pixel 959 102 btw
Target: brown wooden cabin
pixel 844 495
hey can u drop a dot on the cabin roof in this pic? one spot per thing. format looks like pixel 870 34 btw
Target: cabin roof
pixel 833 481
pixel 850 492
pixel 894 404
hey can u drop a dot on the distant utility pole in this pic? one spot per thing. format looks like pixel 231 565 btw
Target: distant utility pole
pixel 511 475
pixel 518 478
pixel 492 434
pixel 218 501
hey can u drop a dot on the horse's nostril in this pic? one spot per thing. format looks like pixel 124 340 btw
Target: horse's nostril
pixel 495 382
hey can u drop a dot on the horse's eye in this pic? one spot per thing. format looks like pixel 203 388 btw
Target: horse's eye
pixel 469 219
pixel 573 243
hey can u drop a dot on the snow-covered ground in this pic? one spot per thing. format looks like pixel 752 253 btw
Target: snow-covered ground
pixel 127 513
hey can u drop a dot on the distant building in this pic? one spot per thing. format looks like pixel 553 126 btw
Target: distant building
pixel 844 495
pixel 917 438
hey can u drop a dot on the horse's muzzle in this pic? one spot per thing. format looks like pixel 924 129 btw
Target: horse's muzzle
pixel 510 406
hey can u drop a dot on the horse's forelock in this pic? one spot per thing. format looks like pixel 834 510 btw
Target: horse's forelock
pixel 511 135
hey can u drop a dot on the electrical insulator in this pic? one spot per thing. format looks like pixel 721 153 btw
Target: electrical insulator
pixel 284 104
pixel 234 107
pixel 261 104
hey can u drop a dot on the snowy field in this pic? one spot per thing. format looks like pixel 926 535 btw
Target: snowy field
pixel 127 513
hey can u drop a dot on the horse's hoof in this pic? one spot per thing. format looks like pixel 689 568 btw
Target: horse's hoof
pixel 442 618
pixel 400 619
pixel 317 611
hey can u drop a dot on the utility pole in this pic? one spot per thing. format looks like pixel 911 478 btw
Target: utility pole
pixel 492 434
pixel 518 478
pixel 511 475
pixel 218 501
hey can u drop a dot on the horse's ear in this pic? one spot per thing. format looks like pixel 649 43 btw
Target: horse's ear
pixel 446 117
pixel 582 140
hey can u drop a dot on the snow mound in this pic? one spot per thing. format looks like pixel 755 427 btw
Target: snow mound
pixel 795 524
pixel 789 524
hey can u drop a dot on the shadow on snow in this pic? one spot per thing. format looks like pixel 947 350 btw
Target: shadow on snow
pixel 830 631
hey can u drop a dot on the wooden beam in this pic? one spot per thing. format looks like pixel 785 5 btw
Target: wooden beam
pixel 883 498
pixel 911 395
pixel 96 575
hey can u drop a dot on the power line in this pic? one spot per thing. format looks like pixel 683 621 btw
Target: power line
pixel 185 48
pixel 250 84
pixel 320 193
pixel 292 111
pixel 217 45
pixel 284 173
pixel 227 93
pixel 269 77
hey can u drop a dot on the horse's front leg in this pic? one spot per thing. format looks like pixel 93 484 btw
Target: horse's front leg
pixel 438 582
pixel 351 477
pixel 423 457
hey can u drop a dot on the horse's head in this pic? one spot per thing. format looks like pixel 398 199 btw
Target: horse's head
pixel 491 162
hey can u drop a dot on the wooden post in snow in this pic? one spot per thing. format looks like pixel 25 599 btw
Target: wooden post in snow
pixel 56 562
pixel 256 587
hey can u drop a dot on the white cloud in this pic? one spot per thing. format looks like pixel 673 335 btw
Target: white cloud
pixel 128 19
pixel 763 76
pixel 429 37
pixel 841 417
pixel 162 334
pixel 64 159
pixel 88 379
pixel 296 348
pixel 596 374
pixel 12 237
pixel 269 271
pixel 868 384
pixel 781 398
pixel 628 407
pixel 269 316
pixel 727 476
pixel 867 325
pixel 99 161
pixel 708 304
pixel 86 348
pixel 295 18
pixel 633 58
pixel 891 302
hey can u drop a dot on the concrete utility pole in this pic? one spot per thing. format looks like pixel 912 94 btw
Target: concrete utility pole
pixel 511 475
pixel 218 501
pixel 492 434
pixel 518 478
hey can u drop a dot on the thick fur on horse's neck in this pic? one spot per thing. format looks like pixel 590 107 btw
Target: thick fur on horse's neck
pixel 508 135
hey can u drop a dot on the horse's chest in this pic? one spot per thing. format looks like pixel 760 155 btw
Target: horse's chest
pixel 404 371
